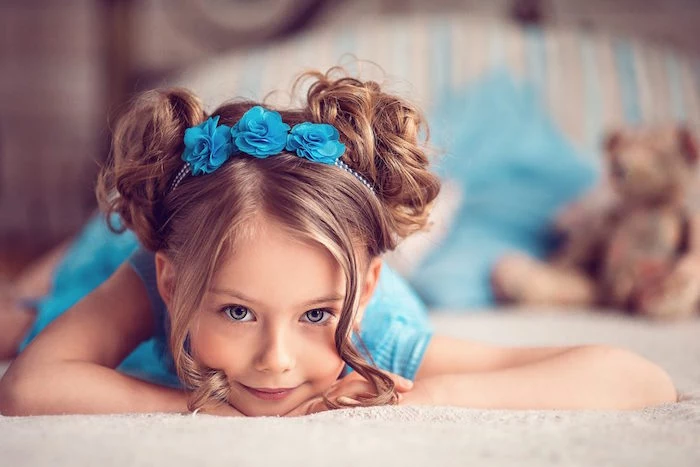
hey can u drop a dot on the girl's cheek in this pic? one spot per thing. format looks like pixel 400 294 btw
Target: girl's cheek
pixel 323 355
pixel 212 346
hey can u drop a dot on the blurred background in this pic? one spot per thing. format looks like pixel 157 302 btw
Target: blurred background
pixel 67 67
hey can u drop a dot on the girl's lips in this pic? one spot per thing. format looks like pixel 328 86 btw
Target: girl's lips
pixel 269 394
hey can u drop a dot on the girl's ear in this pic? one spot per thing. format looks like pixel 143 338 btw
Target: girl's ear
pixel 371 280
pixel 165 277
pixel 369 285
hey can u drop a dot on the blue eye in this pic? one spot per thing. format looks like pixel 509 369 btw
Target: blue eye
pixel 238 313
pixel 317 316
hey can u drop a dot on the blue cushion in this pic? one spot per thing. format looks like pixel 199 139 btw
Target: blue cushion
pixel 515 168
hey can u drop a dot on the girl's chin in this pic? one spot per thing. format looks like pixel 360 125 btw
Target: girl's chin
pixel 251 406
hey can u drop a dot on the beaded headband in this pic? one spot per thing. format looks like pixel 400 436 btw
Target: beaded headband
pixel 259 133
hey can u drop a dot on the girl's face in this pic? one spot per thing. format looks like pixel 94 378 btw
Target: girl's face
pixel 269 320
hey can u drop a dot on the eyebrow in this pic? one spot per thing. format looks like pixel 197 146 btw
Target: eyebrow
pixel 240 296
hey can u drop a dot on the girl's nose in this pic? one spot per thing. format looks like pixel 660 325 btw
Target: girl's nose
pixel 275 354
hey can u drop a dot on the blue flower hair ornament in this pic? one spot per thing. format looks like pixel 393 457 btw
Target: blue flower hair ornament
pixel 259 133
pixel 316 142
pixel 207 146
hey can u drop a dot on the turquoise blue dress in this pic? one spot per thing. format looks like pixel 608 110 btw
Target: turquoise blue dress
pixel 395 328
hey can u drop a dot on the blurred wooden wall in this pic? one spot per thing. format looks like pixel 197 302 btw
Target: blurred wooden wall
pixel 52 118
pixel 66 66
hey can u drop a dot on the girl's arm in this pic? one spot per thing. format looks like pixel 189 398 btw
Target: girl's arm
pixel 467 374
pixel 69 367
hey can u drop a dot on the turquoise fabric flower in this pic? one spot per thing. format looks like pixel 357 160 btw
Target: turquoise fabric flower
pixel 260 132
pixel 207 146
pixel 317 142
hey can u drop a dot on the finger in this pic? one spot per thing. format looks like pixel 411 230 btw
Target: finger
pixel 345 400
pixel 401 384
pixel 405 399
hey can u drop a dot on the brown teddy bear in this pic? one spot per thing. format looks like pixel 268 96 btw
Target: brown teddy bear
pixel 639 251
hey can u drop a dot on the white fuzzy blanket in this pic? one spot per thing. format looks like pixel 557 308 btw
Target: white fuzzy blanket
pixel 408 436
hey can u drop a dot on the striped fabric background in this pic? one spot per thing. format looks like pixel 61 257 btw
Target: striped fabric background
pixel 590 81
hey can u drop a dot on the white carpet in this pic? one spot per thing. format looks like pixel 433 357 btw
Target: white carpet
pixel 408 436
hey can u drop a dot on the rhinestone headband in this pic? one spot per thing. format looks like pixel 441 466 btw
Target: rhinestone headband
pixel 187 169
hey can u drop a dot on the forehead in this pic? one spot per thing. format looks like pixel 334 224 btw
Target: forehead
pixel 273 266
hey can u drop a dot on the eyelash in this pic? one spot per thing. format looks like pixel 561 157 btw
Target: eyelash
pixel 326 311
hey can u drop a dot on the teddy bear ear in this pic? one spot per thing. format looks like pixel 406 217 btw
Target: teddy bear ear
pixel 612 140
pixel 688 145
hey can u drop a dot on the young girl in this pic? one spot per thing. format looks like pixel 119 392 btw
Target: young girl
pixel 259 276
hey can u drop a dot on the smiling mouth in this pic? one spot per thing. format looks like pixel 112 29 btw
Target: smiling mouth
pixel 269 394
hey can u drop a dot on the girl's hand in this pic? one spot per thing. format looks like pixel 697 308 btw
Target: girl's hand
pixel 424 392
pixel 345 391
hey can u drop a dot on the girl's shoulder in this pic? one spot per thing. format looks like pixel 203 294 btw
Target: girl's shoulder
pixel 394 298
pixel 395 330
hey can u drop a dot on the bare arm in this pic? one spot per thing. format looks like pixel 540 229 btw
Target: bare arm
pixel 69 367
pixel 467 374
pixel 84 388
